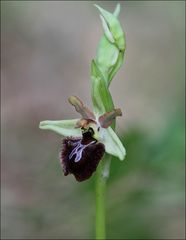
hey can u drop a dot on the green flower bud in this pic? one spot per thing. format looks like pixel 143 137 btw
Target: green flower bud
pixel 113 28
pixel 109 57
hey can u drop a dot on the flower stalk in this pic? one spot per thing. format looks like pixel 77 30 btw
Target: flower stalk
pixel 100 203
pixel 109 58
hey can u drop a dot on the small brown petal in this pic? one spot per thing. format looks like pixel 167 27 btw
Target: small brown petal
pixel 80 108
pixel 106 119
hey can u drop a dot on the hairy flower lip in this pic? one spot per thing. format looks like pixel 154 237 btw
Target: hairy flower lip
pixel 88 152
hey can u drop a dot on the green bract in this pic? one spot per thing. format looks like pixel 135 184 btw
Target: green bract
pixel 101 97
pixel 108 60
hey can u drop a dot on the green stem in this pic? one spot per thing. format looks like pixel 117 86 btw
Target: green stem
pixel 100 202
pixel 102 175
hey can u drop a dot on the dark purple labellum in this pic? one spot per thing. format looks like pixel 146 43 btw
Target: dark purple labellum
pixel 80 156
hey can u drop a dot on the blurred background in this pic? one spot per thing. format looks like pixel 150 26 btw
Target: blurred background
pixel 47 47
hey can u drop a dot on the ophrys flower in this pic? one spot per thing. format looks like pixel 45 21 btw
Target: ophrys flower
pixel 87 138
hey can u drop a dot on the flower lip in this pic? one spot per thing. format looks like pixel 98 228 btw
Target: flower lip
pixel 81 156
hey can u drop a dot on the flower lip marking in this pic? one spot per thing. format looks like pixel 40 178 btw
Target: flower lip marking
pixel 82 144
pixel 78 149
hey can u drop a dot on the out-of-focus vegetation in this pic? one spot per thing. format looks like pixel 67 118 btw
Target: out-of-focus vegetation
pixel 46 52
pixel 145 198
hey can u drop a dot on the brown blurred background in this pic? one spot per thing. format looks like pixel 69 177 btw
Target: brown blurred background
pixel 47 47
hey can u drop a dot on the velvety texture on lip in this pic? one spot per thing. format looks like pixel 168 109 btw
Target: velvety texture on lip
pixel 81 156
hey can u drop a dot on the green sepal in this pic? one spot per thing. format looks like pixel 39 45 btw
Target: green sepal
pixel 65 128
pixel 112 143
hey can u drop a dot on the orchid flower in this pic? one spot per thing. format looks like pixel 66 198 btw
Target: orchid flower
pixel 89 137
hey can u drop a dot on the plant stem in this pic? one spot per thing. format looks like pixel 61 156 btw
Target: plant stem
pixel 102 175
pixel 100 202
